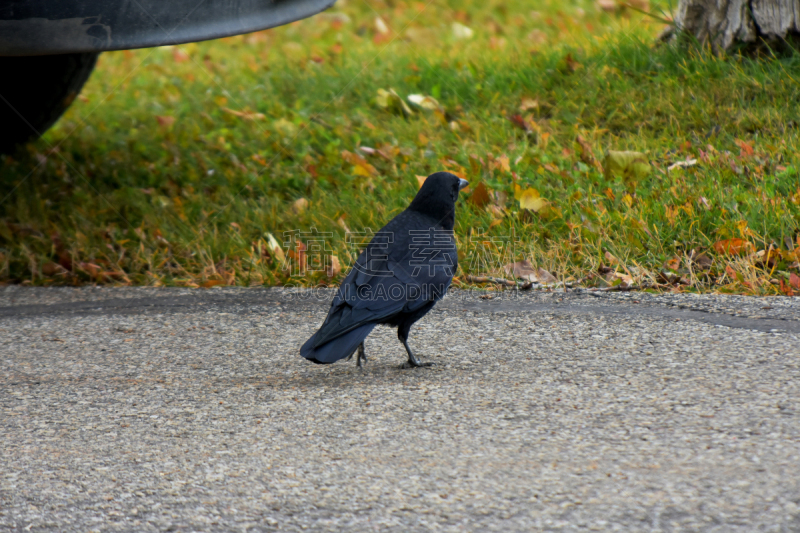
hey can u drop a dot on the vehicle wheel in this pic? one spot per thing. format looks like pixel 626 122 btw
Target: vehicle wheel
pixel 35 91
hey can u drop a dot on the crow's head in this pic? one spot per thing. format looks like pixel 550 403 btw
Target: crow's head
pixel 437 196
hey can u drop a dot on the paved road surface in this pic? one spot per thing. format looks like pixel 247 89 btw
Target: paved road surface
pixel 178 410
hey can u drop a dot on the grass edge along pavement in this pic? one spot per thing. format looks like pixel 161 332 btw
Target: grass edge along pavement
pixel 599 159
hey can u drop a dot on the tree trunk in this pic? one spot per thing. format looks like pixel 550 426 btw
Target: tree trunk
pixel 724 23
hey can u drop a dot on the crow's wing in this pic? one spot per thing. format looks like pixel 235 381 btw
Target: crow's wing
pixel 392 277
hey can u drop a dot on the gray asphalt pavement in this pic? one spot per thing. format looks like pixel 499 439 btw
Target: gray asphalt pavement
pixel 191 410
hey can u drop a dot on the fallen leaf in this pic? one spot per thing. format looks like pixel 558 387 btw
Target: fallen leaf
pixel 702 261
pixel 334 268
pixel 530 199
pixel 630 166
pixel 212 283
pixel 275 248
pixel 607 5
pixel 428 103
pixel 380 26
pixel 247 115
pixel 299 205
pixel 586 154
pixel 360 165
pixel 391 101
pixel 528 104
pixel 165 121
pixel 51 269
pixel 545 276
pixel 785 289
pixel 90 268
pixel 794 280
pixel 522 270
pixel 523 123
pixel 745 149
pixel 732 246
pixel 610 258
pixel 503 163
pixel 682 164
pixel 624 278
pixel 571 64
pixel 421 180
pixel 462 32
pixel 179 55
pixel 480 196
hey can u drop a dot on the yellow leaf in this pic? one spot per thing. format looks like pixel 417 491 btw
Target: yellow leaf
pixel 275 248
pixel 421 179
pixel 530 199
pixel 630 166
pixel 391 101
pixel 425 102
pixel 503 164
pixel 628 200
pixel 360 170
pixel 300 205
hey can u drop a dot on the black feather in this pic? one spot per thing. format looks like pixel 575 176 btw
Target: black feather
pixel 404 270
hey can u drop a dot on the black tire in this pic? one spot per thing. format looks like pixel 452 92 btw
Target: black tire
pixel 35 91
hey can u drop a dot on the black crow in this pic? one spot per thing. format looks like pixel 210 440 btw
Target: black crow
pixel 407 266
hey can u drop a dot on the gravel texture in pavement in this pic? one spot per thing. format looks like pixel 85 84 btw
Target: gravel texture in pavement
pixel 140 409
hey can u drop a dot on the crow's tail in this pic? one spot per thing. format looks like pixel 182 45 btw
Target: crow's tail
pixel 336 349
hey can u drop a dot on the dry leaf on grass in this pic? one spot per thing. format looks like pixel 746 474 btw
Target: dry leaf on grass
pixel 610 258
pixel 391 101
pixel 274 248
pixel 732 246
pixel 586 154
pixel 299 205
pixel 428 103
pixel 462 32
pixel 480 196
pixel 522 270
pixel 529 199
pixel 246 114
pixel 165 121
pixel 630 166
pixel 545 276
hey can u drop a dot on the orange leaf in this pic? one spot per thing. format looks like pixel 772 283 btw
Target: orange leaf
pixel 165 121
pixel 786 289
pixel 746 150
pixel 179 55
pixel 732 246
pixel 480 196
pixel 212 283
pixel 794 280
pixel 730 272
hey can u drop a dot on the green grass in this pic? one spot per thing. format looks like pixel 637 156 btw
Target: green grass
pixel 175 162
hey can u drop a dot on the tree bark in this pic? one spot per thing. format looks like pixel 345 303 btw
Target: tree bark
pixel 725 23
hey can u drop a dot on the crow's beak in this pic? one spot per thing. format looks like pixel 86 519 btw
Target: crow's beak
pixel 462 183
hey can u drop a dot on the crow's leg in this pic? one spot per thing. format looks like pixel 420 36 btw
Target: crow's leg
pixel 361 355
pixel 413 362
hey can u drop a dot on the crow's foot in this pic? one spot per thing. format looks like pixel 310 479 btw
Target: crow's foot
pixel 361 355
pixel 415 364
